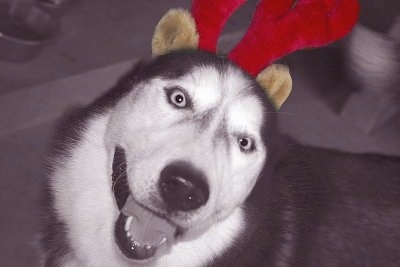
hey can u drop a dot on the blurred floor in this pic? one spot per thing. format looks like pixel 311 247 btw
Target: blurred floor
pixel 97 33
pixel 99 41
pixel 94 33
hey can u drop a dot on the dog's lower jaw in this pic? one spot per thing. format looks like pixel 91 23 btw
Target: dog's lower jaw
pixel 142 235
pixel 199 250
pixel 195 249
pixel 132 249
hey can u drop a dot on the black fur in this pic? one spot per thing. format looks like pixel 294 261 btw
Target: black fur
pixel 320 207
pixel 310 206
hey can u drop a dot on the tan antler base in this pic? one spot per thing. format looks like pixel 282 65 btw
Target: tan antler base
pixel 277 82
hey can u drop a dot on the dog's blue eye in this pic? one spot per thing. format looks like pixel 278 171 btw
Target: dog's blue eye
pixel 177 97
pixel 246 144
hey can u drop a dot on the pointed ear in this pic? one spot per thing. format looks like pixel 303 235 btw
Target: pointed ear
pixel 176 30
pixel 277 83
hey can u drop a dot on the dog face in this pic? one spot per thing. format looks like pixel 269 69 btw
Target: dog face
pixel 204 120
pixel 166 163
pixel 191 135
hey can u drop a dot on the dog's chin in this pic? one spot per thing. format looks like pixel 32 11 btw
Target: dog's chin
pixel 142 235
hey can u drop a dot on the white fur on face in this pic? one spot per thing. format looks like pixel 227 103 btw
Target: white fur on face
pixel 154 134
pixel 84 202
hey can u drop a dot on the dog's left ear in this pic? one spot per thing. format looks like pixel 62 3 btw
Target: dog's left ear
pixel 276 82
pixel 176 30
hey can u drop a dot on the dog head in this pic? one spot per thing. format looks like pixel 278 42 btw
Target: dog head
pixel 186 146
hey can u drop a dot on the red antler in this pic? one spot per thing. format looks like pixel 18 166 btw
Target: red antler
pixel 280 27
pixel 210 17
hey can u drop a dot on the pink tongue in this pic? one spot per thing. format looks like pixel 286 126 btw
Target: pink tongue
pixel 146 227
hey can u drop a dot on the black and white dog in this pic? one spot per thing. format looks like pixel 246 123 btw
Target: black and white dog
pixel 181 164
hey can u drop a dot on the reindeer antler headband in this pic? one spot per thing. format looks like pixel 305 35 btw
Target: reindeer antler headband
pixel 278 27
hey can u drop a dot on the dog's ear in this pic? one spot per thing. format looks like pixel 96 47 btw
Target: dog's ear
pixel 176 30
pixel 277 83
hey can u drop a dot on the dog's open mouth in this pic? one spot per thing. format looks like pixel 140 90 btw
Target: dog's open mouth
pixel 140 234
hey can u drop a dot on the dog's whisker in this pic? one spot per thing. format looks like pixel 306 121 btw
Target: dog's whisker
pixel 121 165
pixel 116 180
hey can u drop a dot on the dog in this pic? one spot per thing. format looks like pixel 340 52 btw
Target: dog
pixel 182 164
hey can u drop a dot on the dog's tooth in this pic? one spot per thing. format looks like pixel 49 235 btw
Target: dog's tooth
pixel 148 247
pixel 128 234
pixel 163 240
pixel 128 223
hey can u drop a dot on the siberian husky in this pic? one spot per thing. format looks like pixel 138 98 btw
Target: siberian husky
pixel 181 164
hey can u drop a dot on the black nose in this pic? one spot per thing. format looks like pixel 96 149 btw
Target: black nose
pixel 182 187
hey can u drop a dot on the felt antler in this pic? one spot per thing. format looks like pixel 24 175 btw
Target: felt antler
pixel 279 27
pixel 282 26
pixel 210 24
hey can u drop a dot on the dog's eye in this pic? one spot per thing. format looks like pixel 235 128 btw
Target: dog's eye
pixel 246 144
pixel 177 97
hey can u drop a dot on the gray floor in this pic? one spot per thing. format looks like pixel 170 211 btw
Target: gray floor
pixel 99 41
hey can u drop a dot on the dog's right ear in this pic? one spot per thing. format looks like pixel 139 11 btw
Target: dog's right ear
pixel 176 30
